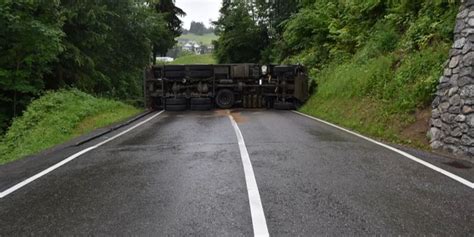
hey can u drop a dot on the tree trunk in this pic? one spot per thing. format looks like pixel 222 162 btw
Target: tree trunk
pixel 14 89
pixel 154 57
pixel 14 103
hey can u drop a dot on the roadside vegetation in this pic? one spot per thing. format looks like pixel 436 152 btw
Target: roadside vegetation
pixel 99 47
pixel 195 59
pixel 57 117
pixel 376 63
pixel 379 79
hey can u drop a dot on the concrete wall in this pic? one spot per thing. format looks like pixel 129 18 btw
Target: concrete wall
pixel 452 120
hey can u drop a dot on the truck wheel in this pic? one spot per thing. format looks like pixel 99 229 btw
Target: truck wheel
pixel 175 104
pixel 225 99
pixel 283 105
pixel 200 101
pixel 201 104
pixel 175 101
pixel 176 107
pixel 201 107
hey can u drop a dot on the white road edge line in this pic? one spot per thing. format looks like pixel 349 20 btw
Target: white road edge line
pixel 256 210
pixel 70 158
pixel 411 157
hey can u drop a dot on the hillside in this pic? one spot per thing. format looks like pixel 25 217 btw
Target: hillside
pixel 206 39
pixel 379 78
pixel 57 117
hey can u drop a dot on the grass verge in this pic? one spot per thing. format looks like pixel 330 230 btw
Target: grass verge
pixel 57 117
pixel 387 97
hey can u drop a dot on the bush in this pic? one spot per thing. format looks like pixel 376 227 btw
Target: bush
pixel 54 118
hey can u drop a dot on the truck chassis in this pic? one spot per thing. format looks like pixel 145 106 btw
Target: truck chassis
pixel 203 87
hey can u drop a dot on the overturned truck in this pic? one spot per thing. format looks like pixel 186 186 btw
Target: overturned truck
pixel 203 87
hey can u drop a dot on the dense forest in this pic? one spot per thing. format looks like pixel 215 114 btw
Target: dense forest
pixel 198 28
pixel 377 62
pixel 100 47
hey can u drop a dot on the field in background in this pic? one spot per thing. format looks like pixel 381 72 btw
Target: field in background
pixel 58 117
pixel 195 59
pixel 205 39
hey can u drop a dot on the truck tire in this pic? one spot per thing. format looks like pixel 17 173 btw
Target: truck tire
pixel 175 104
pixel 176 107
pixel 201 104
pixel 225 99
pixel 201 107
pixel 175 101
pixel 200 101
pixel 283 105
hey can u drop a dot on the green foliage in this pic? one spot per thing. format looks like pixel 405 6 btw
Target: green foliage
pixel 380 95
pixel 251 31
pixel 431 25
pixel 100 47
pixel 240 38
pixel 337 30
pixel 55 118
pixel 417 77
pixel 195 59
pixel 108 53
pixel 198 28
pixel 171 15
pixel 376 62
pixel 30 39
pixel 384 39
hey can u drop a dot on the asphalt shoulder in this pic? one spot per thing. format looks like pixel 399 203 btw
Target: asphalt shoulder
pixel 19 170
pixel 457 166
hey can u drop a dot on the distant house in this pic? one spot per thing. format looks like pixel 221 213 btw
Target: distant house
pixel 192 46
pixel 188 47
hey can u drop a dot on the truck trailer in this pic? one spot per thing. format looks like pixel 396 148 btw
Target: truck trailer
pixel 224 86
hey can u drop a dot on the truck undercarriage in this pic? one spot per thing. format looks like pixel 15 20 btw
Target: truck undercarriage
pixel 203 87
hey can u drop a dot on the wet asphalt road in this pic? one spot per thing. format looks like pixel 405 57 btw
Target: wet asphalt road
pixel 181 174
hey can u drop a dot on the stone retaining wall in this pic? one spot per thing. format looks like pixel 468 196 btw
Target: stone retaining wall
pixel 452 119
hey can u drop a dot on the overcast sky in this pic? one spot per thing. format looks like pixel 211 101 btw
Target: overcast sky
pixel 199 10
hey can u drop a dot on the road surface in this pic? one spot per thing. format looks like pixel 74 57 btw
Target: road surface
pixel 182 174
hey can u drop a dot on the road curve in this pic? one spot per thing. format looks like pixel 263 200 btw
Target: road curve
pixel 182 174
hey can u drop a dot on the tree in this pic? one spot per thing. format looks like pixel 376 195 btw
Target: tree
pixel 240 38
pixel 100 47
pixel 267 19
pixel 107 45
pixel 197 28
pixel 171 15
pixel 30 39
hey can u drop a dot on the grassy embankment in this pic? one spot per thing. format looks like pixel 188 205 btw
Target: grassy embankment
pixel 387 97
pixel 195 59
pixel 384 90
pixel 57 117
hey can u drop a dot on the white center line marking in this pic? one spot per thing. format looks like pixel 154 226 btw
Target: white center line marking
pixel 413 158
pixel 256 209
pixel 70 158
